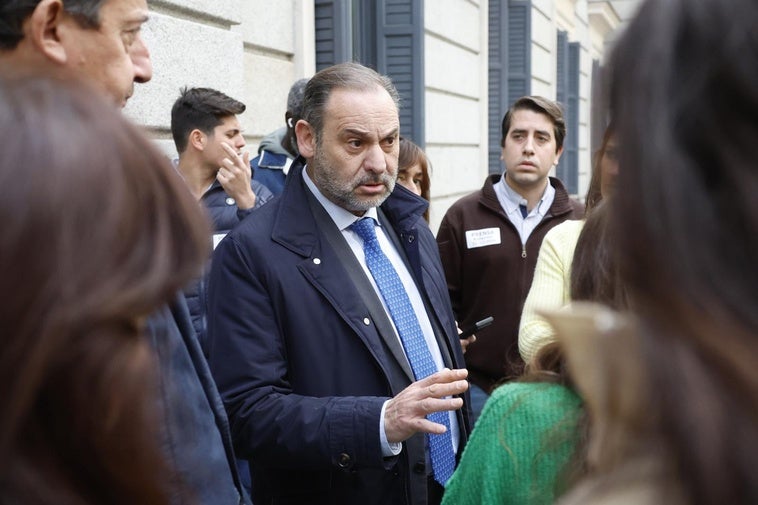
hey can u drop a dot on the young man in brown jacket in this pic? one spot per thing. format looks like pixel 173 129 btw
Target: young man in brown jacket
pixel 489 240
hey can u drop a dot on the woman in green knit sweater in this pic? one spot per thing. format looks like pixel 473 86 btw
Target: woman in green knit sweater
pixel 520 447
pixel 527 447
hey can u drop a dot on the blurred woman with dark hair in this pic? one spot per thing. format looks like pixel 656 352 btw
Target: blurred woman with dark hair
pixel 681 421
pixel 98 232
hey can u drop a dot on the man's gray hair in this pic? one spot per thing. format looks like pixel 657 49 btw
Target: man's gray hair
pixel 295 97
pixel 352 76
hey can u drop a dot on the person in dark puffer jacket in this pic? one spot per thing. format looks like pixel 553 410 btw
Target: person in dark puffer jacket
pixel 278 149
pixel 209 140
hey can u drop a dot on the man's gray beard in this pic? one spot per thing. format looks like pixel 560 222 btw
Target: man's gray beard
pixel 343 197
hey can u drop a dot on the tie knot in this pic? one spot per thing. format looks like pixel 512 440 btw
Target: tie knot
pixel 365 229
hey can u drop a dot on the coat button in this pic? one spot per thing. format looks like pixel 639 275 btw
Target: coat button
pixel 344 460
pixel 316 261
pixel 419 467
pixel 230 200
pixel 411 238
pixel 366 321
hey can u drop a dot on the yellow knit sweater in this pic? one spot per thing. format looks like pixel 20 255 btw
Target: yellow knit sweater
pixel 550 288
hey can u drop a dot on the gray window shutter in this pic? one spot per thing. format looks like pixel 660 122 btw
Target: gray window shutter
pixel 519 49
pixel 573 118
pixel 387 35
pixel 399 54
pixel 509 58
pixel 561 50
pixel 497 77
pixel 333 33
pixel 568 94
pixel 561 92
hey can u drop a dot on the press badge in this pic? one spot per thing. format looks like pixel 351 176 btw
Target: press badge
pixel 483 237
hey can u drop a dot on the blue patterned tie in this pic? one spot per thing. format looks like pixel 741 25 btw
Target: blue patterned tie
pixel 401 310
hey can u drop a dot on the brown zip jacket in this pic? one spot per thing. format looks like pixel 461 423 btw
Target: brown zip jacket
pixel 493 280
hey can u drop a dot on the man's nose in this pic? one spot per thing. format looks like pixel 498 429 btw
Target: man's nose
pixel 375 159
pixel 140 55
pixel 529 144
pixel 239 143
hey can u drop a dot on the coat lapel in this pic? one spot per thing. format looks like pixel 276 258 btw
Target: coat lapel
pixel 361 283
pixel 304 227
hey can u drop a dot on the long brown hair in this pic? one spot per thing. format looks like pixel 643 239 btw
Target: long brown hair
pixel 684 99
pixel 594 278
pixel 594 195
pixel 98 232
pixel 595 273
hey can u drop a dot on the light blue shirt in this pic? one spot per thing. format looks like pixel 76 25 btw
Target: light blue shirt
pixel 344 219
pixel 510 201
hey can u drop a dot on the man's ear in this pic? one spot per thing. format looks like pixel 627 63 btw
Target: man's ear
pixel 197 140
pixel 558 156
pixel 306 139
pixel 43 30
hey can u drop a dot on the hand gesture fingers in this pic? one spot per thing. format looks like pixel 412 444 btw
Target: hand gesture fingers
pixel 236 163
pixel 406 413
pixel 234 176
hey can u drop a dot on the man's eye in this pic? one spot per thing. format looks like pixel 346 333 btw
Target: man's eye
pixel 129 37
pixel 354 143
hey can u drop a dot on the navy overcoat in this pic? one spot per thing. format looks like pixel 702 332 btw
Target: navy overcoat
pixel 304 363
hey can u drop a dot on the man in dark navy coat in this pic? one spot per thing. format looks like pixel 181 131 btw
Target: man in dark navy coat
pixel 320 391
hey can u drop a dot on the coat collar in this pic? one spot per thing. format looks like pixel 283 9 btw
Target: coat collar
pixel 295 227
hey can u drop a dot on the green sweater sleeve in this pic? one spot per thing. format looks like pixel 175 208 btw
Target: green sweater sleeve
pixel 519 447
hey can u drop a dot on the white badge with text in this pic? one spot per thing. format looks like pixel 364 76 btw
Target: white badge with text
pixel 483 237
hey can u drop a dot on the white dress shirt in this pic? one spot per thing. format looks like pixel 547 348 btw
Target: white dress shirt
pixel 510 201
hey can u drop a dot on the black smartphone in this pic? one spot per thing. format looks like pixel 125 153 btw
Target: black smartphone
pixel 467 332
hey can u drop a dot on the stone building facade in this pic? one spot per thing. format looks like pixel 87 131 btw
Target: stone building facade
pixel 457 63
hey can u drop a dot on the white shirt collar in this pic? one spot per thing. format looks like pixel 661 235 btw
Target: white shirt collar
pixel 511 199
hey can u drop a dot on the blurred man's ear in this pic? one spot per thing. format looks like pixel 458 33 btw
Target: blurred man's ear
pixel 197 140
pixel 44 27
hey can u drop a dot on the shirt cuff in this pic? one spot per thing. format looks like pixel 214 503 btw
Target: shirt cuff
pixel 389 449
